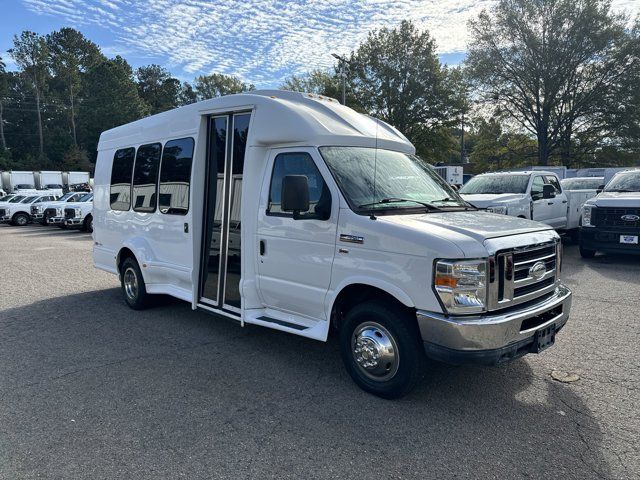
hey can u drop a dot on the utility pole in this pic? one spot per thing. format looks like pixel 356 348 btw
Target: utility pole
pixel 343 73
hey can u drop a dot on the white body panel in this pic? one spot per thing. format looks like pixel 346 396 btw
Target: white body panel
pixel 304 266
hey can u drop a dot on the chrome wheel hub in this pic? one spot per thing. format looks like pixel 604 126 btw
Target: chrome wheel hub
pixel 130 283
pixel 375 351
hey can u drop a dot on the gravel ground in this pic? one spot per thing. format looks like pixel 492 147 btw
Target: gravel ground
pixel 91 389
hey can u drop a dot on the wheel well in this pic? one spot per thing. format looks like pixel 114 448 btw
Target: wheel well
pixel 86 219
pixel 123 255
pixel 352 295
pixel 522 216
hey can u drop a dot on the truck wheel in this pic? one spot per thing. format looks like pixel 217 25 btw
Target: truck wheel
pixel 574 234
pixel 381 349
pixel 586 253
pixel 88 224
pixel 133 287
pixel 20 219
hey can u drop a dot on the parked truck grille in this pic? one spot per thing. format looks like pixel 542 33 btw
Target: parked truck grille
pixel 50 212
pixel 3 212
pixel 613 217
pixel 523 274
pixel 34 210
pixel 69 213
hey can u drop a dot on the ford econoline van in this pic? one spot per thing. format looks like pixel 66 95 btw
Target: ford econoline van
pixel 293 212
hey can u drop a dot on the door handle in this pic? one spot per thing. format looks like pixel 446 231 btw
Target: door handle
pixel 262 247
pixel 186 228
pixel 564 201
pixel 549 203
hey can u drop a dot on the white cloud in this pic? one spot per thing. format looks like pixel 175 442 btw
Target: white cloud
pixel 261 40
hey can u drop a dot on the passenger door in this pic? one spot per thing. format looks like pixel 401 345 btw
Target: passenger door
pixel 295 256
pixel 542 207
pixel 558 203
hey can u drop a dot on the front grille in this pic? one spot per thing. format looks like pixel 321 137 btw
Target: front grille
pixel 612 217
pixel 50 212
pixel 69 213
pixel 3 212
pixel 523 275
pixel 34 210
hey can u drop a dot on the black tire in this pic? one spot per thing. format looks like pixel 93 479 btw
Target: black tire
pixel 20 219
pixel 134 291
pixel 87 226
pixel 392 326
pixel 62 226
pixel 587 253
pixel 574 235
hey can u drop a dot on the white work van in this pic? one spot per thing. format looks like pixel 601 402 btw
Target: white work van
pixel 534 194
pixel 293 212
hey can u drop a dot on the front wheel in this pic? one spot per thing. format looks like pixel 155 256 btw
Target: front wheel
pixel 587 253
pixel 381 348
pixel 20 219
pixel 88 224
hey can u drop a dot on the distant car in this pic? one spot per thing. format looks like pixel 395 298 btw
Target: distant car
pixel 611 220
pixel 18 212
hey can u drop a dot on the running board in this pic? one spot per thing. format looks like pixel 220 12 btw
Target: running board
pixel 283 323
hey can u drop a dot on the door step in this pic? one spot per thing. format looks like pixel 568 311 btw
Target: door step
pixel 283 323
pixel 306 327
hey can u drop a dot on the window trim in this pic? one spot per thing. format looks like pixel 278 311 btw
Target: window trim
pixel 193 154
pixel 290 215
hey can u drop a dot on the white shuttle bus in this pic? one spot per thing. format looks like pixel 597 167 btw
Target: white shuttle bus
pixel 293 212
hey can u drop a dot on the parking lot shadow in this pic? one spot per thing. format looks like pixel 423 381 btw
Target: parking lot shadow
pixel 91 388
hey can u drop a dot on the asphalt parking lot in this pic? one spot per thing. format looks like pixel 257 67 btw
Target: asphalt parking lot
pixel 92 389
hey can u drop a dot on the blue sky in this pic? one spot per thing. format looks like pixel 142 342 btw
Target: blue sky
pixel 261 41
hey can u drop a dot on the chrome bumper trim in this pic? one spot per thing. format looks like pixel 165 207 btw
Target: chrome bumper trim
pixel 491 331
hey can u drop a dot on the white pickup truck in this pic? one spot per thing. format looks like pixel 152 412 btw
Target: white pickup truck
pixel 536 195
pixel 53 212
pixel 18 212
pixel 611 220
pixel 80 214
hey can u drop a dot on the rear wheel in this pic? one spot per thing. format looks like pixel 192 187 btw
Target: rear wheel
pixel 20 219
pixel 381 348
pixel 133 286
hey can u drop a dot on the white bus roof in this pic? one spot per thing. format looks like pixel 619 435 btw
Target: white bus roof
pixel 280 118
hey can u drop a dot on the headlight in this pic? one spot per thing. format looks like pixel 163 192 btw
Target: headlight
pixel 58 212
pixel 462 285
pixel 78 213
pixel 499 209
pixel 586 215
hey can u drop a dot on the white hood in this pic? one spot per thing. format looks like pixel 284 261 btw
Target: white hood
pixel 616 199
pixel 478 225
pixel 484 200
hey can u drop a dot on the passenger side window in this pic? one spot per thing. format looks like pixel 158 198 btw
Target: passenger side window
pixel 537 187
pixel 145 177
pixel 121 170
pixel 175 176
pixel 319 194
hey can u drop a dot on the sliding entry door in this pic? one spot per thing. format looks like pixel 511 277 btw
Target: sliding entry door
pixel 220 269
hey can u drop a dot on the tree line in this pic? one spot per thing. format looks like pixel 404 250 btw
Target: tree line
pixel 544 82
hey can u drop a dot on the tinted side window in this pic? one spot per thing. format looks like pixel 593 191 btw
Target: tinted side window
pixel 145 177
pixel 121 170
pixel 175 176
pixel 299 164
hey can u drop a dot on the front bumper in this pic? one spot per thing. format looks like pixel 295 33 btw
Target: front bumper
pixel 73 222
pixel 55 220
pixel 5 219
pixel 491 338
pixel 37 216
pixel 607 239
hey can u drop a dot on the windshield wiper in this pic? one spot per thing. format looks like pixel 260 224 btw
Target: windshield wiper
pixel 429 206
pixel 466 205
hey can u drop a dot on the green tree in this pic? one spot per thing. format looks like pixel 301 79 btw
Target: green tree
pixel 187 94
pixel 396 76
pixel 71 54
pixel 159 90
pixel 110 98
pixel 546 62
pixel 4 90
pixel 31 53
pixel 218 84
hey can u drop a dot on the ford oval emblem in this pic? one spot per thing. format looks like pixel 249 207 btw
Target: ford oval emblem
pixel 630 218
pixel 537 270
